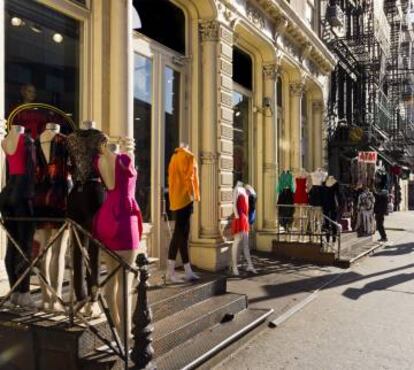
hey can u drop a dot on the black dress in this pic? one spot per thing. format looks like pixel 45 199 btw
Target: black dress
pixel 286 209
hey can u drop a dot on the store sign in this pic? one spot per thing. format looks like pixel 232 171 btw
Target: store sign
pixel 367 157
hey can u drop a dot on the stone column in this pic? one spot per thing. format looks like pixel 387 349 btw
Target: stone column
pixel 296 93
pixel 208 133
pixel 216 146
pixel 270 146
pixel 317 107
pixel 121 74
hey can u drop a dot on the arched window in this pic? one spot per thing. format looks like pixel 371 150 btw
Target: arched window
pixel 163 22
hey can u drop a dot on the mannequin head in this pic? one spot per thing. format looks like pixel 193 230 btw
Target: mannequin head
pixel 28 93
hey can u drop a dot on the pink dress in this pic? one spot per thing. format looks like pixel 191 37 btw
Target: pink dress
pixel 118 223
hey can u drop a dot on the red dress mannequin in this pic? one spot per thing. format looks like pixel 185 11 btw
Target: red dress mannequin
pixel 301 195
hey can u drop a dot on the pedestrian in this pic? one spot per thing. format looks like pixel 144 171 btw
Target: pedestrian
pixel 381 210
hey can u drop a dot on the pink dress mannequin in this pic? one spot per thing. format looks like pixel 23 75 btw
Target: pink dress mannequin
pixel 118 225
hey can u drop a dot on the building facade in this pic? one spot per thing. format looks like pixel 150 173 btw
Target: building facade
pixel 243 82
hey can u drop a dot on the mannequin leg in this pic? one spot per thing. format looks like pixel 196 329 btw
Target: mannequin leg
pixel 129 256
pixel 246 252
pixel 43 236
pixel 111 289
pixel 57 265
pixel 234 253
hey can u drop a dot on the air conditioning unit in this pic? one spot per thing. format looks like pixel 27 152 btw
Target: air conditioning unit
pixel 335 16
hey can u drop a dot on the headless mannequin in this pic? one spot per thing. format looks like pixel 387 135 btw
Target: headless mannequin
pixel 115 288
pixel 54 261
pixel 189 273
pixel 9 146
pixel 241 237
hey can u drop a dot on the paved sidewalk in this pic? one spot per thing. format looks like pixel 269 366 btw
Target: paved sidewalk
pixel 312 338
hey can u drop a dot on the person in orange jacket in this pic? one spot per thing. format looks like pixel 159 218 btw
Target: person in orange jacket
pixel 183 191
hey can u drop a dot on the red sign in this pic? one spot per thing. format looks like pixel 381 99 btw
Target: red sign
pixel 367 157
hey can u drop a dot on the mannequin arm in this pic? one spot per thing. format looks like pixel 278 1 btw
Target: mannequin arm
pixel 235 196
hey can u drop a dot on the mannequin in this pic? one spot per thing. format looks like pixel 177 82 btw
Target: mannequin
pixel 84 200
pixel 240 228
pixel 123 237
pixel 365 223
pixel 316 199
pixel 183 192
pixel 51 189
pixel 301 199
pixel 285 191
pixel 16 201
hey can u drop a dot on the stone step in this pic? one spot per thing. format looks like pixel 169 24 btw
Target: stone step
pixel 176 329
pixel 208 343
pixel 195 351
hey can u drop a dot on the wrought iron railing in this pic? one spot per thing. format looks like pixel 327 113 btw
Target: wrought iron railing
pixel 307 224
pixel 142 352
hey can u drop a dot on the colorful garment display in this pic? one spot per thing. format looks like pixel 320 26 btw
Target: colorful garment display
pixel 301 195
pixel 183 183
pixel 51 180
pixel 120 210
pixel 365 221
pixel 285 182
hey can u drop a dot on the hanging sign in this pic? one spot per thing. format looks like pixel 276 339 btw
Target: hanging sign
pixel 367 157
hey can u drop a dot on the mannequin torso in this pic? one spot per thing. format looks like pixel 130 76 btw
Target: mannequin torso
pixel 46 138
pixel 9 144
pixel 106 166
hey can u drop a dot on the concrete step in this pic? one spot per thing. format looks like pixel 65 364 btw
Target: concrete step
pixel 208 343
pixel 176 329
pixel 195 351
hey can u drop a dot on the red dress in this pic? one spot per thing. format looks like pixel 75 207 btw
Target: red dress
pixel 301 196
pixel 241 224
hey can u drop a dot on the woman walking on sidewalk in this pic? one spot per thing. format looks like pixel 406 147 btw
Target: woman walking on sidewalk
pixel 381 210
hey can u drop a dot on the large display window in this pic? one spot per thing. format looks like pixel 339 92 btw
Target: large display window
pixel 41 63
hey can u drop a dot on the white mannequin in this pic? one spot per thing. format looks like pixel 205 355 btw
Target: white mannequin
pixel 54 260
pixel 9 144
pixel 241 237
pixel 114 288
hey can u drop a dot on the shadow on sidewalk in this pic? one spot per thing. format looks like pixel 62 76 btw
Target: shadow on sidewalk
pixel 396 250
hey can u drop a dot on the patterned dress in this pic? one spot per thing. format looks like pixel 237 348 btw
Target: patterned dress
pixel 51 181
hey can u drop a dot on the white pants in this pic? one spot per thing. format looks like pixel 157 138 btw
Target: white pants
pixel 241 239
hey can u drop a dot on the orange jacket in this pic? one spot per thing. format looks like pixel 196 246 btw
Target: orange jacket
pixel 183 179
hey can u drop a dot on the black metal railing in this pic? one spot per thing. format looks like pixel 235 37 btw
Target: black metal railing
pixel 307 224
pixel 142 352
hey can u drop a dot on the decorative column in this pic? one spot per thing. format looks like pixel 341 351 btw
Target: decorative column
pixel 216 145
pixel 296 93
pixel 270 146
pixel 317 108
pixel 208 135
pixel 121 74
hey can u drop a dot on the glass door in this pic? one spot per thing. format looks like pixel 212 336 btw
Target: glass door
pixel 158 115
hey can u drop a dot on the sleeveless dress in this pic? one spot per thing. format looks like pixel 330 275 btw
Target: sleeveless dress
pixel 241 224
pixel 301 196
pixel 118 223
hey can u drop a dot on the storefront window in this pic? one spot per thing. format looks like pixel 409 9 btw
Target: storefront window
pixel 241 137
pixel 142 131
pixel 42 62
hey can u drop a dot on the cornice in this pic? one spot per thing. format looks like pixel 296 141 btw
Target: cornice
pixel 290 24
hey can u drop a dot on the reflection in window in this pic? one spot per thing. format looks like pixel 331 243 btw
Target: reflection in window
pixel 240 137
pixel 42 62
pixel 142 131
pixel 172 119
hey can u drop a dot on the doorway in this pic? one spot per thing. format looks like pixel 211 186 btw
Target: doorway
pixel 159 78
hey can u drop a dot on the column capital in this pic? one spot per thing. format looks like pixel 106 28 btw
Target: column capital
pixel 208 157
pixel 297 88
pixel 270 71
pixel 209 30
pixel 317 105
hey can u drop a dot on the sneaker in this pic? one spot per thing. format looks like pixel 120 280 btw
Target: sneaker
pixel 251 269
pixel 192 277
pixel 382 240
pixel 173 278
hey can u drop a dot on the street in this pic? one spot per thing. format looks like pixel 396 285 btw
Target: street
pixel 364 320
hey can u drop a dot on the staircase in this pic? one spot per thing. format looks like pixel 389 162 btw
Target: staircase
pixel 192 323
